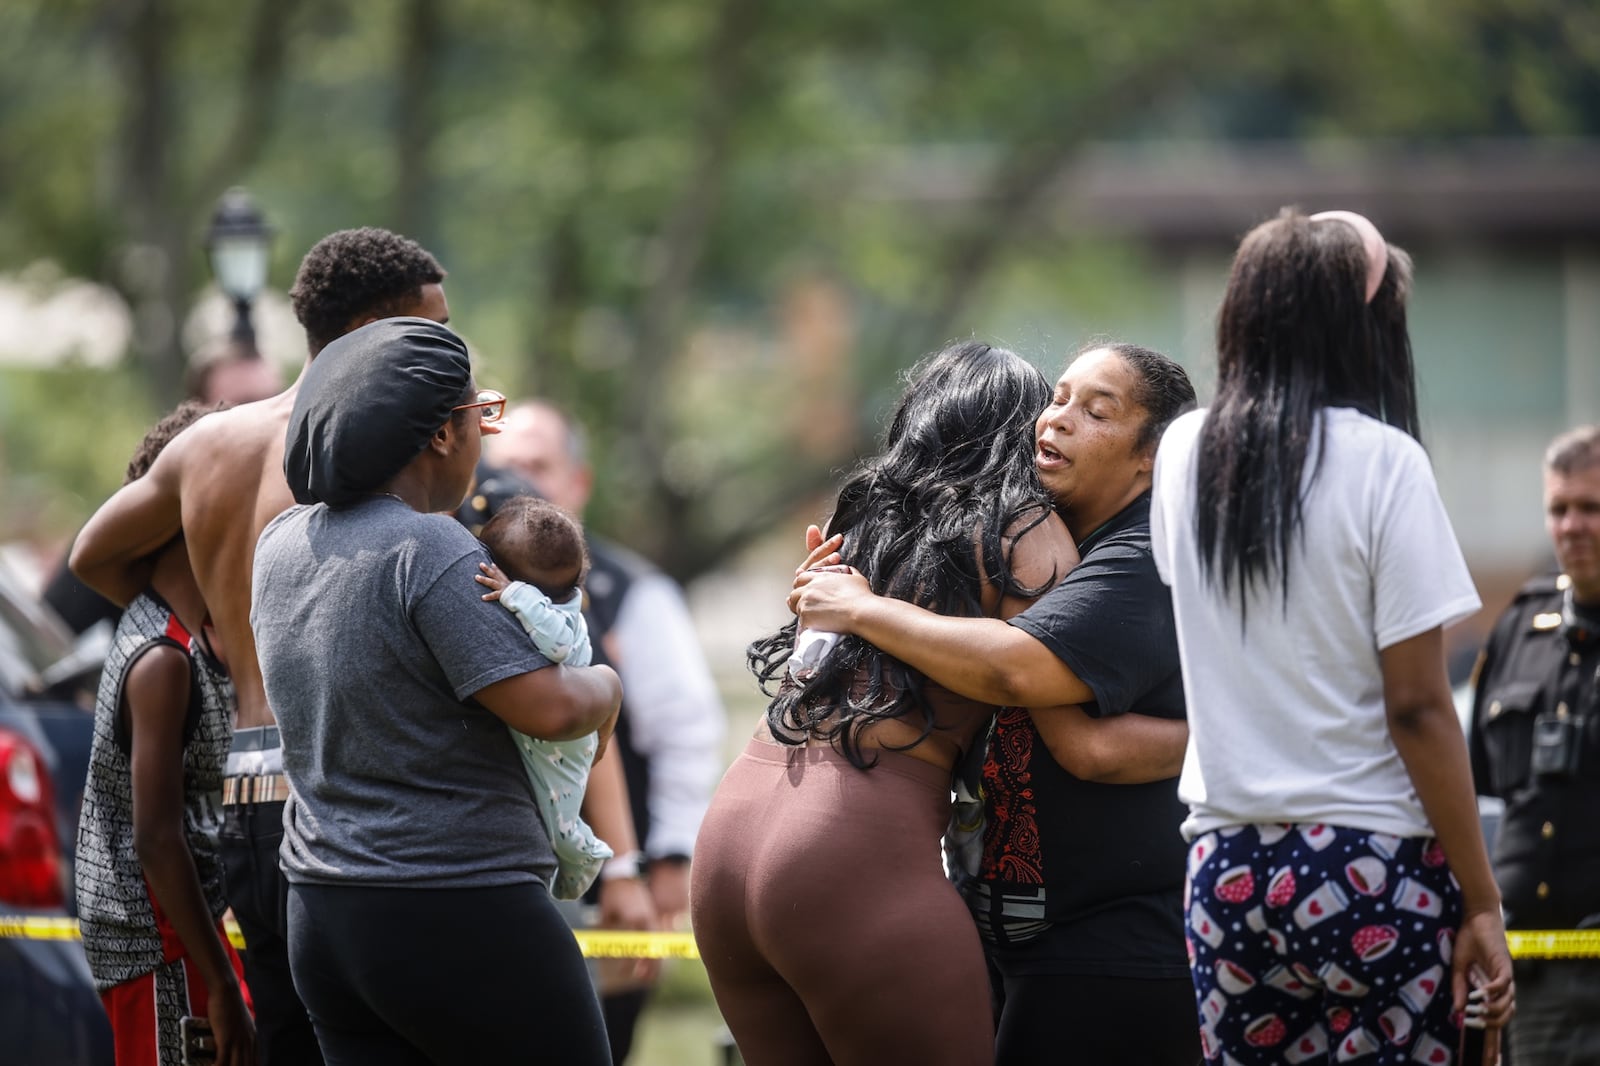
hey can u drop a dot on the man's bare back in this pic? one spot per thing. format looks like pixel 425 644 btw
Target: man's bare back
pixel 240 474
pixel 220 482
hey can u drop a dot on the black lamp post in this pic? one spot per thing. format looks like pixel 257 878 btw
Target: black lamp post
pixel 239 244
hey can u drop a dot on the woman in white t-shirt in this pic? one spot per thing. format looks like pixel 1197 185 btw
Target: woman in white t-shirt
pixel 1341 903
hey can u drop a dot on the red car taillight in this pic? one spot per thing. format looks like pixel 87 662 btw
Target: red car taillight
pixel 30 854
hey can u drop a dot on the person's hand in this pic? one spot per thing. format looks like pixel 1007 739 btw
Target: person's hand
pixel 820 552
pixel 493 577
pixel 231 1026
pixel 669 888
pixel 626 903
pixel 823 598
pixel 1480 978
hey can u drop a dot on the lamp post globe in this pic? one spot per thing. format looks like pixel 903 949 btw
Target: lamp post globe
pixel 238 243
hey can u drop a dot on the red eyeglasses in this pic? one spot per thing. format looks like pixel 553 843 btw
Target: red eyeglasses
pixel 491 406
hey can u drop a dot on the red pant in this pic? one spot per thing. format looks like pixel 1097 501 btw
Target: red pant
pixel 145 1012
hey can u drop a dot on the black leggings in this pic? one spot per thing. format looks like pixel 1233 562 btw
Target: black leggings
pixel 409 975
pixel 1097 1021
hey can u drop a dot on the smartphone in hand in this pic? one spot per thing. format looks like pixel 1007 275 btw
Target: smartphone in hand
pixel 199 1042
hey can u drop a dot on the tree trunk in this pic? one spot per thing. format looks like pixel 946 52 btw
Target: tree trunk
pixel 678 252
pixel 154 273
pixel 165 209
pixel 417 119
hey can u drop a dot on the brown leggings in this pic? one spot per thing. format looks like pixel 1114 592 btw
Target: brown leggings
pixel 825 921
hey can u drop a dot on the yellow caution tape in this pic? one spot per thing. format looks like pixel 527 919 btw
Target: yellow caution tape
pixel 595 943
pixel 28 927
pixel 1554 943
pixel 619 944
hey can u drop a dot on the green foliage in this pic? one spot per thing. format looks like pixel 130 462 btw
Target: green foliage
pixel 66 435
pixel 630 196
pixel 55 133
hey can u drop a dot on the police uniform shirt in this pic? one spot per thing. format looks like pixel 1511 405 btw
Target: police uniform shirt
pixel 1535 743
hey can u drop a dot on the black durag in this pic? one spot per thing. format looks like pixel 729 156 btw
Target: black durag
pixel 367 405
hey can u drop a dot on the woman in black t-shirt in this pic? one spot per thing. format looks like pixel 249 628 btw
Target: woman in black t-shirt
pixel 1078 884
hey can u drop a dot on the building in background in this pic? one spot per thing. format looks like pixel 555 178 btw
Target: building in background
pixel 1505 319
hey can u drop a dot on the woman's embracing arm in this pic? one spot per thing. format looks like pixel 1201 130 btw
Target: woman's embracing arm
pixel 1124 749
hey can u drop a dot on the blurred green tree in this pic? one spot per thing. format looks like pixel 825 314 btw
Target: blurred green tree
pixel 715 229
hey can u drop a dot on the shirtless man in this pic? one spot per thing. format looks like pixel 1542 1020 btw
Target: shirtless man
pixel 220 482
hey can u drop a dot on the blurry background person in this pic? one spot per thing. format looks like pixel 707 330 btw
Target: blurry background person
pixel 231 371
pixel 1536 745
pixel 670 733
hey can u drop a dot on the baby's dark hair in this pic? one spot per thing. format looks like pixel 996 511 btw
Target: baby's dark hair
pixel 174 422
pixel 531 537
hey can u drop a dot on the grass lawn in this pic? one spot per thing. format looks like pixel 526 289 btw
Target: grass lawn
pixel 681 1025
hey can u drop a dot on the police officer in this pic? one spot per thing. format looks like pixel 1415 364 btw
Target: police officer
pixel 1536 744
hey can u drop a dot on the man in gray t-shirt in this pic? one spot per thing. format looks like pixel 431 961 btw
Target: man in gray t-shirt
pixel 399 776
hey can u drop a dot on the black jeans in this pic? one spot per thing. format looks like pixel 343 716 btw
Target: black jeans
pixel 257 893
pixel 1558 1013
pixel 622 1019
pixel 1096 1021
pixel 443 976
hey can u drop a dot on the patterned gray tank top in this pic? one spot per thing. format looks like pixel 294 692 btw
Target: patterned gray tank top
pixel 122 929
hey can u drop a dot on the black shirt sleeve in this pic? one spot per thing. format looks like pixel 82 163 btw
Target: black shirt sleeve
pixel 1111 622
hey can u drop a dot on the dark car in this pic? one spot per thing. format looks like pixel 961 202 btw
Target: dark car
pixel 50 1014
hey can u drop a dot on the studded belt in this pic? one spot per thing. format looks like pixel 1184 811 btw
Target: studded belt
pixel 254 788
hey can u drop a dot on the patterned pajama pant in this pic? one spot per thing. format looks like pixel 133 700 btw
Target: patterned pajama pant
pixel 1313 943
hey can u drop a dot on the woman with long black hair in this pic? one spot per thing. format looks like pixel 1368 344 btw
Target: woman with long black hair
pixel 827 926
pixel 1341 902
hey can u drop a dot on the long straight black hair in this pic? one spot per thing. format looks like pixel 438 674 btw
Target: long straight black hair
pixel 932 520
pixel 1295 335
